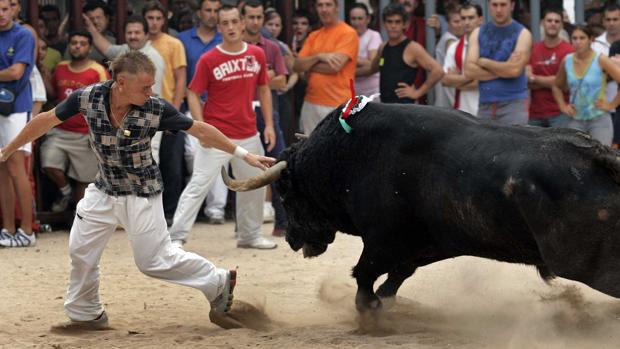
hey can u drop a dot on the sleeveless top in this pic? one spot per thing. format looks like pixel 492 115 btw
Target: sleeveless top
pixel 393 70
pixel 586 89
pixel 498 44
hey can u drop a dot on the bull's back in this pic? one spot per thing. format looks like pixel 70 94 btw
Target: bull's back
pixel 461 184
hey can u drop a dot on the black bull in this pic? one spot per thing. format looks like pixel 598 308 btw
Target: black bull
pixel 422 184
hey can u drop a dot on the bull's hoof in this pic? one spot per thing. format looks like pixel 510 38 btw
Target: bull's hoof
pixel 367 303
pixel 388 302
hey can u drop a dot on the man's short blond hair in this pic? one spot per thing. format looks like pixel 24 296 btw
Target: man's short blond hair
pixel 132 62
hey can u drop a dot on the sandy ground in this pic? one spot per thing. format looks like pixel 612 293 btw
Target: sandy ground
pixel 460 303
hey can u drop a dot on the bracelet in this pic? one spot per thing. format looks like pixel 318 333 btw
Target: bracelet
pixel 240 152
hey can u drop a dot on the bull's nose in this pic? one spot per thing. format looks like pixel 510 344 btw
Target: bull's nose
pixel 295 244
pixel 313 249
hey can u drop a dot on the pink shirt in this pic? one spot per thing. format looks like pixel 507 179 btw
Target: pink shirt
pixel 368 85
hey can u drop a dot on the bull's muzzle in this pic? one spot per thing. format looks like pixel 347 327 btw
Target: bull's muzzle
pixel 313 249
pixel 271 175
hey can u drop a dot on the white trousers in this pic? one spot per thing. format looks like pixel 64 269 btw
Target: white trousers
pixel 312 114
pixel 97 216
pixel 207 165
pixel 216 198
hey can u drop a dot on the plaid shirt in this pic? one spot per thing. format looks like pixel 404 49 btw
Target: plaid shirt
pixel 126 166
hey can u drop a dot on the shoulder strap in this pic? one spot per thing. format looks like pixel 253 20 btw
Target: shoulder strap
pixel 580 79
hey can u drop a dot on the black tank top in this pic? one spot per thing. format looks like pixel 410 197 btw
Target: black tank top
pixel 395 70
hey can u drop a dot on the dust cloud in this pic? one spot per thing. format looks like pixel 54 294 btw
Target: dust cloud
pixel 475 303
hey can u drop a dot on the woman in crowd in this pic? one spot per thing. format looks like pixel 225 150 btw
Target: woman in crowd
pixel 584 74
pixel 273 24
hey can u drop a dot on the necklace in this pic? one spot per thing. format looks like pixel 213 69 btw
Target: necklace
pixel 113 115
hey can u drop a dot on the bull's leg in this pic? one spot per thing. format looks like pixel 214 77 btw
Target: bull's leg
pixel 395 279
pixel 371 265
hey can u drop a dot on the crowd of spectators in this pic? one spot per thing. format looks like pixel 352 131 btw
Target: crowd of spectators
pixel 492 70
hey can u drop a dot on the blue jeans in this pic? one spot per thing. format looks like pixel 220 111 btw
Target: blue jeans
pixel 560 120
pixel 281 222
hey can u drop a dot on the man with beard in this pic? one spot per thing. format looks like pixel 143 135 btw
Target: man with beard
pixel 66 152
pixel 544 64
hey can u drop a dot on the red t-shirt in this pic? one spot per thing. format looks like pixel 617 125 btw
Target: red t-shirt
pixel 230 79
pixel 546 61
pixel 66 80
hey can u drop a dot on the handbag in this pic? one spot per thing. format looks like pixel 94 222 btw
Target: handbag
pixel 7 101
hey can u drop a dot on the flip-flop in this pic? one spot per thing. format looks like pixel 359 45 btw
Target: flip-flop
pixel 223 302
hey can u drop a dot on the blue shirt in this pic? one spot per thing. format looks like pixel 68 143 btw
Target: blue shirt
pixel 586 89
pixel 17 46
pixel 498 44
pixel 195 47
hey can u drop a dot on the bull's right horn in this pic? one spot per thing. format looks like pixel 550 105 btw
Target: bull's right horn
pixel 265 178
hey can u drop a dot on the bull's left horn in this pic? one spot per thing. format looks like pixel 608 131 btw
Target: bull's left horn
pixel 267 177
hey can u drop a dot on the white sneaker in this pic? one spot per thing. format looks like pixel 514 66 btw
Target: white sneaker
pixel 4 234
pixel 61 204
pixel 268 212
pixel 260 244
pixel 177 243
pixel 20 239
pixel 217 219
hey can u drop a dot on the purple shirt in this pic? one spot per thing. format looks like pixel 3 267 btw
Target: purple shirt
pixel 275 61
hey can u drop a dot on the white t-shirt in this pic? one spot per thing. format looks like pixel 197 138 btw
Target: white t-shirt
pixel 468 99
pixel 368 85
pixel 601 46
pixel 444 95
pixel 160 65
pixel 38 86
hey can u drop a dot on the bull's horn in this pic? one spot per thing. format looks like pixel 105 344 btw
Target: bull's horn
pixel 265 178
pixel 301 136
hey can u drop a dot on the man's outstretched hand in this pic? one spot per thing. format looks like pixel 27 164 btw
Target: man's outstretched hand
pixel 262 162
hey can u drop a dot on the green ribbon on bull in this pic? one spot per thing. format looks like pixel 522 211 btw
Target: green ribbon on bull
pixel 345 126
